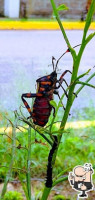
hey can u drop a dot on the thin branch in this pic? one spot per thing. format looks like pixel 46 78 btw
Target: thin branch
pixel 78 91
pixel 62 29
pixel 28 174
pixel 23 127
pixel 33 126
pixel 82 75
pixel 88 19
pixel 61 174
pixel 85 84
pixel 1 134
pixel 10 121
pixel 60 180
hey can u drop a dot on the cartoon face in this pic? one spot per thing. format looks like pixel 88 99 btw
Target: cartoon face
pixel 83 173
pixel 80 173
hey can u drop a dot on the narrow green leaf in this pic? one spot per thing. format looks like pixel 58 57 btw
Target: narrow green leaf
pixel 61 174
pixel 78 91
pixel 60 180
pixel 62 7
pixel 89 38
pixel 60 105
pixel 23 186
pixel 53 103
pixel 89 18
pixel 82 75
pixel 84 83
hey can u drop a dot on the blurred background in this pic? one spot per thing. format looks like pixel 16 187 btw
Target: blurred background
pixel 26 55
pixel 39 8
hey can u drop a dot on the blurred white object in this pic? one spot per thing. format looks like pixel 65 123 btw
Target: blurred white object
pixel 12 8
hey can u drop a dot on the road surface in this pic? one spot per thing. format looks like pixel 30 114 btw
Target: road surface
pixel 25 56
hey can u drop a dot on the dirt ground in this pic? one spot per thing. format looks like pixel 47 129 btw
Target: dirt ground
pixel 63 189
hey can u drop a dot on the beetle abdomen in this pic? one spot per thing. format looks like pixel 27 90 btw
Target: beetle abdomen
pixel 41 111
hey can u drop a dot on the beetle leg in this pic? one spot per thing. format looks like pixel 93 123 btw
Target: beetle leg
pixel 29 95
pixel 60 81
pixel 60 85
pixel 75 94
pixel 63 80
pixel 57 93
pixel 65 72
pixel 53 111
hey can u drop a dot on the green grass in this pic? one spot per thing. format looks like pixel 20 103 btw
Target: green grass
pixel 26 19
pixel 42 19
pixel 76 148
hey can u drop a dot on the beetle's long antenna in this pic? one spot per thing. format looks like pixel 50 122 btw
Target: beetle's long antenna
pixel 53 62
pixel 68 50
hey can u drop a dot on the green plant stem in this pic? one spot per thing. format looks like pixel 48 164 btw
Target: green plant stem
pixel 76 63
pixel 88 19
pixel 62 28
pixel 24 186
pixel 71 98
pixel 77 92
pixel 12 160
pixel 28 175
pixel 45 193
pixel 60 180
pixel 59 22
pixel 37 129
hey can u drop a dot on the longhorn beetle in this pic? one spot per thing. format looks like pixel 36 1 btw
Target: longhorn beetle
pixel 46 88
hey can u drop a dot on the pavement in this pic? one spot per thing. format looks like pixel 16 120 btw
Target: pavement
pixel 26 55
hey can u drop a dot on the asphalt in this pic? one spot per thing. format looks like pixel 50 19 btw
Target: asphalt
pixel 25 56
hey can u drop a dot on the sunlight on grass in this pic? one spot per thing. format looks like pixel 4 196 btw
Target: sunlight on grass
pixel 78 124
pixel 74 125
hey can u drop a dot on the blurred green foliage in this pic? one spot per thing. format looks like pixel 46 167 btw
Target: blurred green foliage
pixel 60 197
pixel 78 148
pixel 13 196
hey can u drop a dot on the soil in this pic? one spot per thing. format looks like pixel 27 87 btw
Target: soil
pixel 62 189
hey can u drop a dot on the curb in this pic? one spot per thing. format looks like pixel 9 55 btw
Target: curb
pixel 42 25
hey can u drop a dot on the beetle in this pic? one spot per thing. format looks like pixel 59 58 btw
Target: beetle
pixel 46 87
